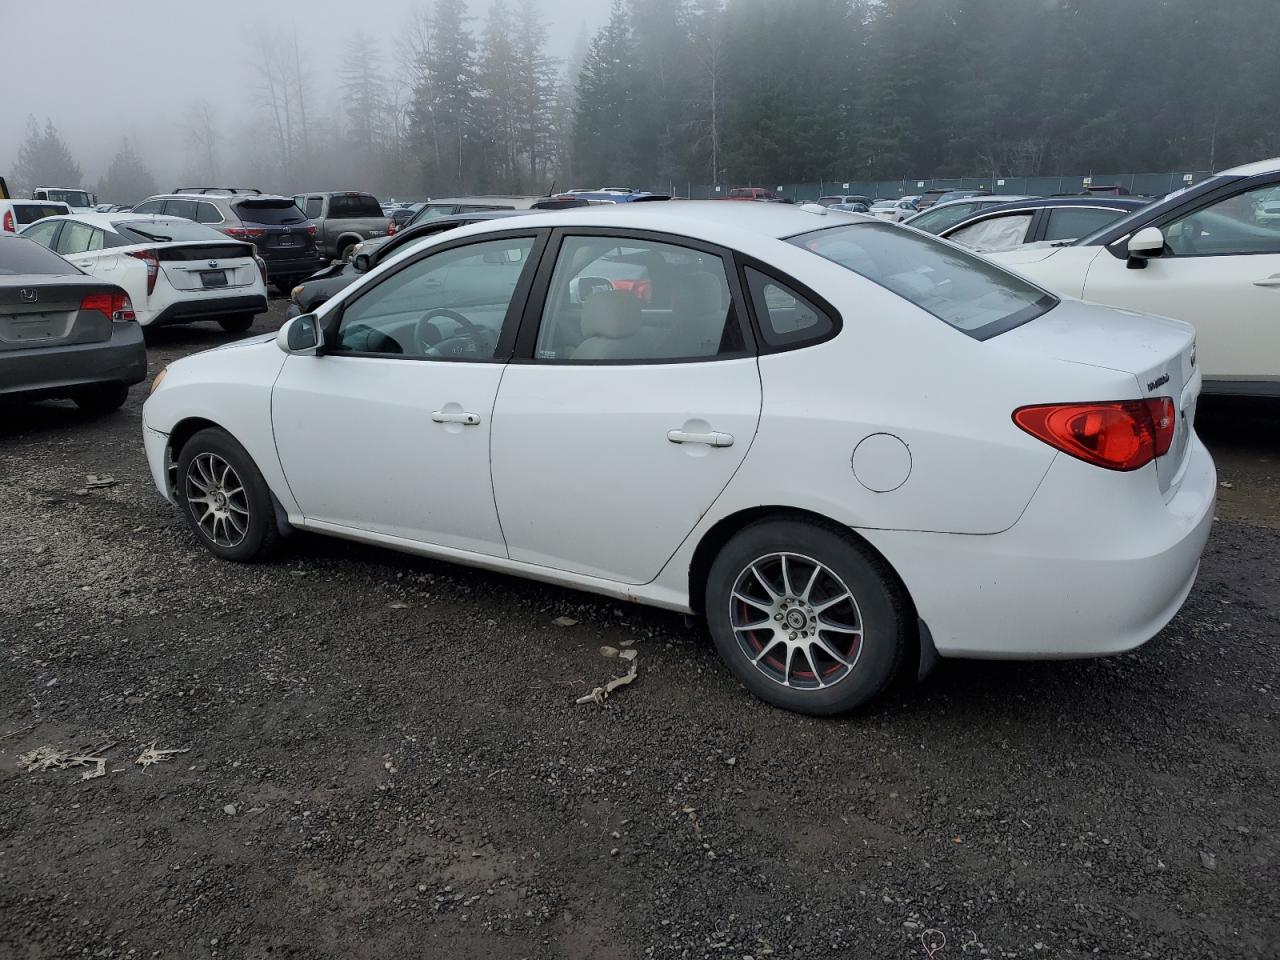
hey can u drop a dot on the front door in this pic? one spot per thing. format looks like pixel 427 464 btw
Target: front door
pixel 1220 272
pixel 630 410
pixel 387 432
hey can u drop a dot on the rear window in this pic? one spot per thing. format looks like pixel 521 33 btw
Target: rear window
pixel 352 206
pixel 269 212
pixel 164 231
pixel 31 212
pixel 18 255
pixel 961 289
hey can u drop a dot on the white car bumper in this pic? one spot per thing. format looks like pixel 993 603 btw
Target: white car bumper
pixel 1098 564
pixel 156 445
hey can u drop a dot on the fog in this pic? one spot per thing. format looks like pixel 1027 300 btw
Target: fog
pixel 132 68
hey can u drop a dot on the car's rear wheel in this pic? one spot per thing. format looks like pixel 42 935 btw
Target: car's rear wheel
pixel 237 324
pixel 103 398
pixel 806 617
pixel 224 498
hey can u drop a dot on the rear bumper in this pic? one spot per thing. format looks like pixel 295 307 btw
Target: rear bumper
pixel 189 311
pixel 1098 564
pixel 278 269
pixel 59 371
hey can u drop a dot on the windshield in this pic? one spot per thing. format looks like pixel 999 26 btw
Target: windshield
pixel 165 231
pixel 1123 225
pixel 75 198
pixel 431 211
pixel 936 219
pixel 961 289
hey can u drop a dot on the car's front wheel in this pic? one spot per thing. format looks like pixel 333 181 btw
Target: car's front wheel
pixel 224 498
pixel 237 324
pixel 806 617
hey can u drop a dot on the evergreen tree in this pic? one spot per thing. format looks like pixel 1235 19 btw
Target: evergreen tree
pixel 602 133
pixel 127 179
pixel 44 160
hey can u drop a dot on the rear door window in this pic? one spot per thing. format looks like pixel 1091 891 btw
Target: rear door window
pixel 180 208
pixel 959 288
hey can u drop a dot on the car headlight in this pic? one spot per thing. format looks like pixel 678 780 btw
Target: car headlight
pixel 156 382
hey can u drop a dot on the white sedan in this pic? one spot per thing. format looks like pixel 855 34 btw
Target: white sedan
pixel 851 447
pixel 1209 255
pixel 174 271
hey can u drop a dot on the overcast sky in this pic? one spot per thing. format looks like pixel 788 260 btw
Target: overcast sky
pixel 127 67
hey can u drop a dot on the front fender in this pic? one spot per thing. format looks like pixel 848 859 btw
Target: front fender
pixel 229 388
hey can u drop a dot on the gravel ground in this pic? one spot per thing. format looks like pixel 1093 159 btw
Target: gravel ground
pixel 381 756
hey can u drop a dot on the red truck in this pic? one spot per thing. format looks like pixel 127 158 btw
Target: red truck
pixel 750 193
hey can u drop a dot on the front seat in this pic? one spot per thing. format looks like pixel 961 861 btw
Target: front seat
pixel 613 328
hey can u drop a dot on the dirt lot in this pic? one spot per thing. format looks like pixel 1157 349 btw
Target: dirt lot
pixel 382 758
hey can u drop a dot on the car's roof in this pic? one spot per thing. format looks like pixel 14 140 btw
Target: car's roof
pixel 1253 169
pixel 108 220
pixel 237 197
pixel 693 217
pixel 1114 203
pixel 39 203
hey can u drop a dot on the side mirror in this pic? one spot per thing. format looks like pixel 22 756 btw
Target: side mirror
pixel 362 263
pixel 301 336
pixel 1143 245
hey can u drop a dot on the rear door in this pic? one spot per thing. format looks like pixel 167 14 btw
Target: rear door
pixel 1220 272
pixel 629 406
pixel 85 246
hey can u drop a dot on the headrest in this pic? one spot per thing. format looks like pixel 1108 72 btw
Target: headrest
pixel 611 313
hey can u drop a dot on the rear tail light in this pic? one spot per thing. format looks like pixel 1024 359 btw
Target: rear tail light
pixel 115 305
pixel 392 227
pixel 153 267
pixel 1117 435
pixel 262 269
pixel 8 222
pixel 246 233
pixel 311 229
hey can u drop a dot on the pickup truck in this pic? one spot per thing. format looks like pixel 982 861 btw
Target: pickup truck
pixel 80 201
pixel 342 220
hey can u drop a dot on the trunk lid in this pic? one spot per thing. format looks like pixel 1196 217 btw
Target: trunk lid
pixel 1159 353
pixel 53 318
pixel 208 265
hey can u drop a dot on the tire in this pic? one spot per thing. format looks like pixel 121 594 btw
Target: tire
pixel 237 324
pixel 103 398
pixel 344 251
pixel 243 528
pixel 851 665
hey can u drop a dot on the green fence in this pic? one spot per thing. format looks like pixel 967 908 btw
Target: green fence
pixel 1150 184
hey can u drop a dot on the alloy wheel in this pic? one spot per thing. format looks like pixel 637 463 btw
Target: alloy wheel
pixel 219 502
pixel 796 621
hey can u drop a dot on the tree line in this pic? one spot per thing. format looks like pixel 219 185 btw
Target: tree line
pixel 673 92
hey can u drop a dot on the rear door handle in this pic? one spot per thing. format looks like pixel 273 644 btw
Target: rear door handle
pixel 469 419
pixel 1272 281
pixel 712 438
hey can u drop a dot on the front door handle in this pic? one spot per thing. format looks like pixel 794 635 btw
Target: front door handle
pixel 1271 281
pixel 468 419
pixel 712 438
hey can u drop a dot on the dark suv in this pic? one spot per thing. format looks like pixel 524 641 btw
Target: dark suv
pixel 285 238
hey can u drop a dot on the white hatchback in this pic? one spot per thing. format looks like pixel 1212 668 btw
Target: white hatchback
pixel 174 271
pixel 851 447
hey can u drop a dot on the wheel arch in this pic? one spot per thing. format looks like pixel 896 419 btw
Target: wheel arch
pixel 921 656
pixel 187 428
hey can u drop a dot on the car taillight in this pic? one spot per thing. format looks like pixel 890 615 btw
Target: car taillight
pixel 8 222
pixel 311 230
pixel 392 227
pixel 1117 435
pixel 115 305
pixel 262 269
pixel 153 267
pixel 246 233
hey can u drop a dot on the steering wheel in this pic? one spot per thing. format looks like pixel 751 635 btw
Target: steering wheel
pixel 428 338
